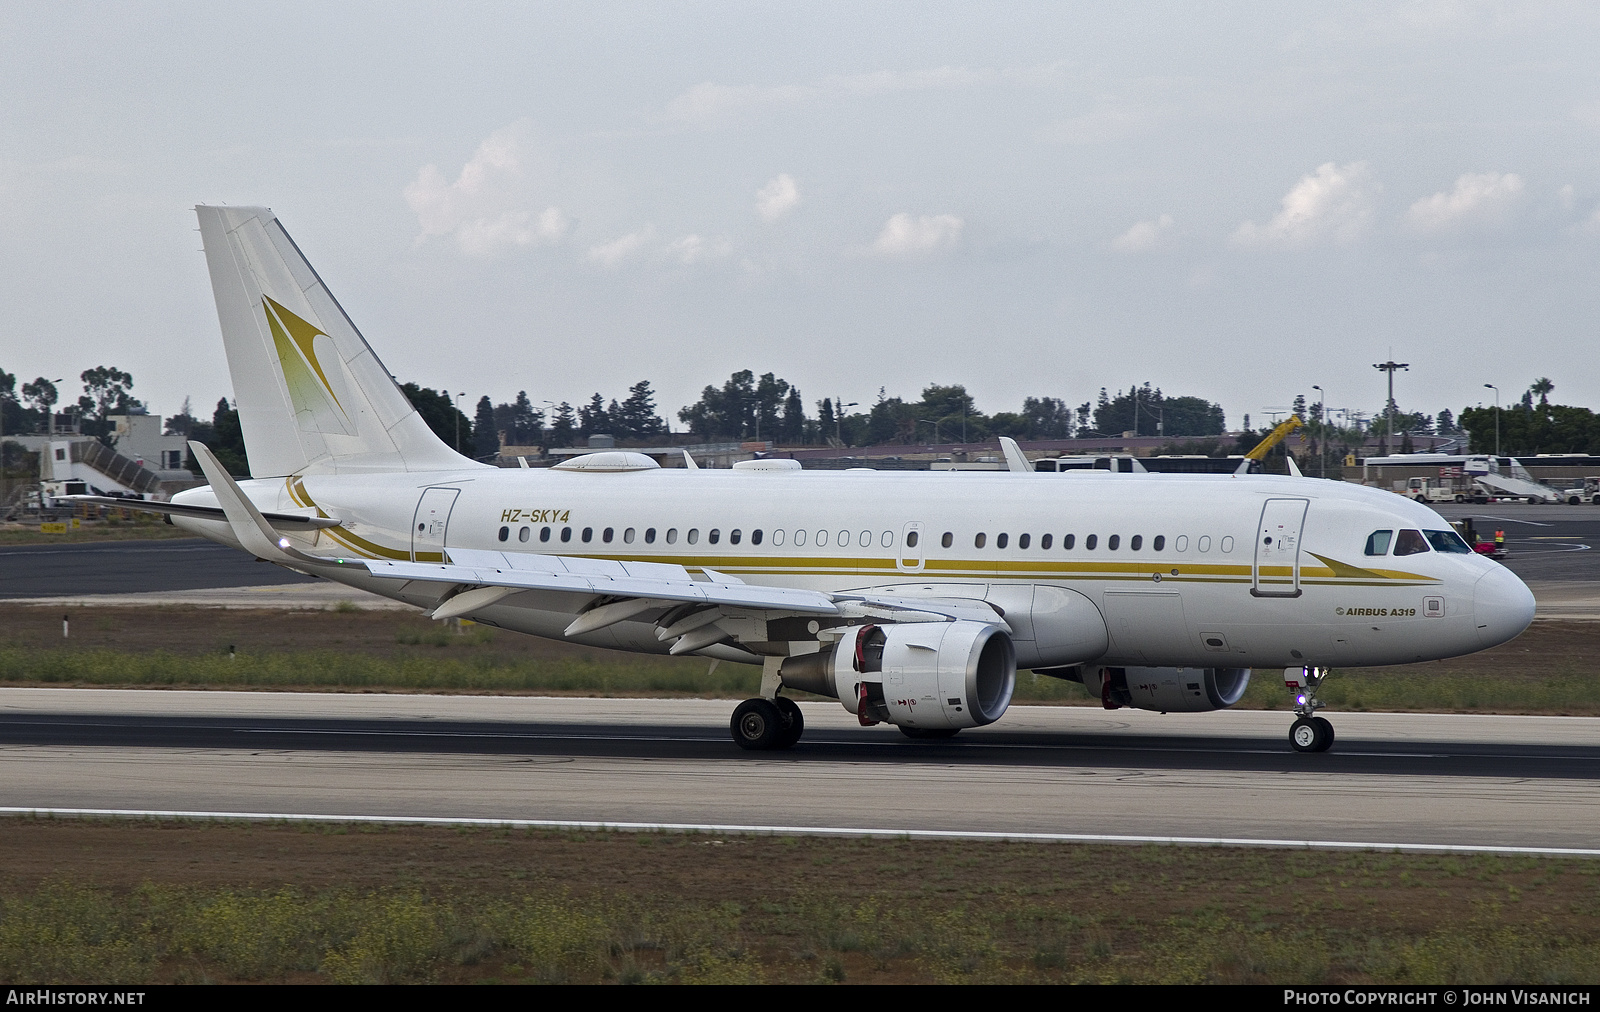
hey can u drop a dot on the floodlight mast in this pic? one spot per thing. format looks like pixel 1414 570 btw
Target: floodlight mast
pixel 1389 367
pixel 1496 390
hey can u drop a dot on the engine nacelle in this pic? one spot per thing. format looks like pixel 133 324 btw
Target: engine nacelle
pixel 921 674
pixel 1169 690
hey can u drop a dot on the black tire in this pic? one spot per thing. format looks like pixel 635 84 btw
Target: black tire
pixel 1305 735
pixel 1326 727
pixel 756 725
pixel 928 733
pixel 794 722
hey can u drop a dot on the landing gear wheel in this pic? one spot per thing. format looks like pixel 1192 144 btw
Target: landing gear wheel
pixel 794 724
pixel 924 733
pixel 1326 727
pixel 756 725
pixel 1311 734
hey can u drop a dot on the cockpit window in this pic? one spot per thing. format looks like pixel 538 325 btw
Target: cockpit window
pixel 1410 543
pixel 1378 542
pixel 1448 541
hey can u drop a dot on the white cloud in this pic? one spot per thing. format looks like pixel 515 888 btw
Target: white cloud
pixel 479 208
pixel 709 104
pixel 777 198
pixel 1334 202
pixel 1144 235
pixel 692 248
pixel 613 253
pixel 904 235
pixel 1477 198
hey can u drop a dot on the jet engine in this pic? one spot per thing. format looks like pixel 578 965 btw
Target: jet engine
pixel 1169 690
pixel 922 675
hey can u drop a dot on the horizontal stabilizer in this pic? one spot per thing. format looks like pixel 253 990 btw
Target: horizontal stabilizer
pixel 283 521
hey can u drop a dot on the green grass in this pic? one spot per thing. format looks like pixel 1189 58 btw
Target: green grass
pixel 66 933
pixel 456 667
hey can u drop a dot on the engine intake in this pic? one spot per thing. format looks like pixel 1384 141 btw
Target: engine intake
pixel 923 674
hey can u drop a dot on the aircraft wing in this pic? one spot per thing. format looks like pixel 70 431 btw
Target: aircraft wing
pixel 729 609
pixel 284 521
pixel 643 580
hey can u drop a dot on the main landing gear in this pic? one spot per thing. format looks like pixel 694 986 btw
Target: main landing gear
pixel 762 724
pixel 1309 732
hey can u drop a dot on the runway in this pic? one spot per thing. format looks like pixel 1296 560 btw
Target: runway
pixel 1461 781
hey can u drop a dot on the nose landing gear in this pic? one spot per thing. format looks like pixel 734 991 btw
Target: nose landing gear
pixel 1309 732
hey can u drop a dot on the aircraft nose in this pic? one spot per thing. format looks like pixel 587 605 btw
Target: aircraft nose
pixel 1502 606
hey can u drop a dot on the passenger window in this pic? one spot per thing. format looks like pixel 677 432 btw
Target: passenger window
pixel 566 534
pixel 799 539
pixel 1068 541
pixel 777 537
pixel 1448 541
pixel 947 540
pixel 627 536
pixel 588 535
pixel 843 540
pixel 1159 543
pixel 1022 540
pixel 694 535
pixel 1089 542
pixel 525 534
pixel 734 536
pixel 911 539
pixel 505 532
pixel 1227 544
pixel 1182 544
pixel 605 535
pixel 714 536
pixel 1113 542
pixel 977 542
pixel 887 541
pixel 1204 544
pixel 1136 542
pixel 865 540
pixel 544 534
pixel 1410 543
pixel 672 535
pixel 649 535
pixel 1378 542
pixel 1000 540
pixel 1044 541
pixel 755 537
pixel 822 539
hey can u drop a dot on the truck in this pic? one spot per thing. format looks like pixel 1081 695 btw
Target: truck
pixel 1588 492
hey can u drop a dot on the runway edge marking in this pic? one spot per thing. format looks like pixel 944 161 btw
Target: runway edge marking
pixel 894 834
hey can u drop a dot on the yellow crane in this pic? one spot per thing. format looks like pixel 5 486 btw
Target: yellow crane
pixel 1276 436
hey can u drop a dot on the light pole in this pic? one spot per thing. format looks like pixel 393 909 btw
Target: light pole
pixel 935 424
pixel 457 406
pixel 1496 390
pixel 1322 431
pixel 838 417
pixel 1389 368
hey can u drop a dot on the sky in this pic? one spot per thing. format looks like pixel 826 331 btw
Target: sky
pixel 1234 201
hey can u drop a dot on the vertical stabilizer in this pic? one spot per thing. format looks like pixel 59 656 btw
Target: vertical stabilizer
pixel 312 397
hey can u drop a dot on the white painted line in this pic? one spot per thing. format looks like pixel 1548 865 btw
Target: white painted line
pixel 893 834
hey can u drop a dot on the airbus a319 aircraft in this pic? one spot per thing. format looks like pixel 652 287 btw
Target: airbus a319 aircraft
pixel 910 597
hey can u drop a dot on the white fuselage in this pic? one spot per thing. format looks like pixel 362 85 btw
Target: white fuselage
pixel 1211 595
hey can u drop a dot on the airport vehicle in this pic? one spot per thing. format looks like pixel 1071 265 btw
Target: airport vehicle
pixel 1587 492
pixel 910 597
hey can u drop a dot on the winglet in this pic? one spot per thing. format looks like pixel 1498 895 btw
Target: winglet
pixel 1015 461
pixel 249 526
pixel 1294 469
pixel 688 462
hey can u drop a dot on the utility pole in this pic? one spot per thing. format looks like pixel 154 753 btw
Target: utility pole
pixel 1322 431
pixel 1496 390
pixel 838 417
pixel 1389 367
pixel 457 406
